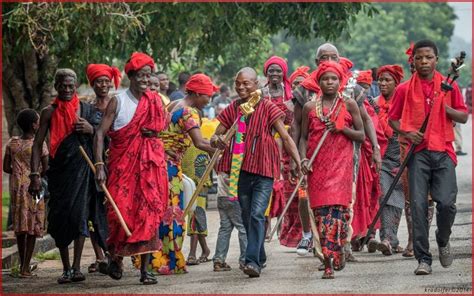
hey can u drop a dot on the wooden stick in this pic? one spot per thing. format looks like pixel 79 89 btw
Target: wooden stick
pixel 107 193
pixel 315 153
pixel 318 251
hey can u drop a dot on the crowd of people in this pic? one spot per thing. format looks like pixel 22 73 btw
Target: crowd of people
pixel 345 141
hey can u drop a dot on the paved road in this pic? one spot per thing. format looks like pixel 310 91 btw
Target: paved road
pixel 288 273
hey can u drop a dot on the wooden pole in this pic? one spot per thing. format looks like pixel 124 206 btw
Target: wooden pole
pixel 107 194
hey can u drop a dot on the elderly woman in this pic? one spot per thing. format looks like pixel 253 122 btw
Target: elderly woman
pixel 329 176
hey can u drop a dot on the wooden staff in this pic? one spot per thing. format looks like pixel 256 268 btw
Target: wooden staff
pixel 318 251
pixel 107 193
pixel 287 206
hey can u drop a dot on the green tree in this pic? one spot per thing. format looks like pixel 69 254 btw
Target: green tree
pixel 40 37
pixel 384 38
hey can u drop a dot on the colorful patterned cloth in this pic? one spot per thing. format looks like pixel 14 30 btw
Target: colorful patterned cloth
pixel 238 150
pixel 331 222
pixel 170 259
pixel 28 217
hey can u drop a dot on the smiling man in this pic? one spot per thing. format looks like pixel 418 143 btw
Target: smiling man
pixel 137 177
pixel 253 162
pixel 432 168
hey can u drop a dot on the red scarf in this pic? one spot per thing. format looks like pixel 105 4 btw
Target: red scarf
pixel 339 116
pixel 62 122
pixel 383 116
pixel 440 127
pixel 310 83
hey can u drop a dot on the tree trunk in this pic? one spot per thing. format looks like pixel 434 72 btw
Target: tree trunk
pixel 27 83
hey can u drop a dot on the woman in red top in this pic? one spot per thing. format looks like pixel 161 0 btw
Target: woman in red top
pixel 330 189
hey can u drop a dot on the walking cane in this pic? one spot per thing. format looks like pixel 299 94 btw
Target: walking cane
pixel 446 86
pixel 107 194
pixel 300 181
pixel 246 109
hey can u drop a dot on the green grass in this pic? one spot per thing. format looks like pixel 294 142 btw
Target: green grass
pixel 47 256
pixel 5 204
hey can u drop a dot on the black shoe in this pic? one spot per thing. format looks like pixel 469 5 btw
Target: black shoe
pixel 65 278
pixel 460 153
pixel 304 246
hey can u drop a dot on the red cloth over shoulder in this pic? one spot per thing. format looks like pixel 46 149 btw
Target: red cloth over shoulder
pixel 138 179
pixel 63 119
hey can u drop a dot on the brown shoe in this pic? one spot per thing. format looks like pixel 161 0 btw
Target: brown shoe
pixel 385 248
pixel 221 266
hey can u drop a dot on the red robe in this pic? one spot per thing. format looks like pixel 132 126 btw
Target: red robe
pixel 138 180
pixel 368 189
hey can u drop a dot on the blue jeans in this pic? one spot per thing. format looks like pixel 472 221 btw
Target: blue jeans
pixel 254 195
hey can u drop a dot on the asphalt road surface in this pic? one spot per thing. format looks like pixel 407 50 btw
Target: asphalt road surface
pixel 286 271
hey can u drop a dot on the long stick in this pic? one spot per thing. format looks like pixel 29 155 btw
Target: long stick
pixel 318 251
pixel 315 153
pixel 107 194
pixel 209 168
pixel 394 183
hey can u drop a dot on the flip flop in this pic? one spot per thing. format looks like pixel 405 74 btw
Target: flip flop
pixel 204 259
pixel 192 261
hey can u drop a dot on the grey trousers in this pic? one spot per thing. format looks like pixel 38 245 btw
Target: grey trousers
pixel 230 215
pixel 430 171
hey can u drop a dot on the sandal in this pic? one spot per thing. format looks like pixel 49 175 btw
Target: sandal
pixel 385 248
pixel 93 267
pixel 328 274
pixel 148 278
pixel 408 253
pixel 397 250
pixel 192 261
pixel 221 266
pixel 204 259
pixel 65 278
pixel 114 270
pixel 102 267
pixel 339 263
pixel 77 276
pixel 27 275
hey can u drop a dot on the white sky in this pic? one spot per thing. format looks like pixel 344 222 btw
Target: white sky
pixel 463 25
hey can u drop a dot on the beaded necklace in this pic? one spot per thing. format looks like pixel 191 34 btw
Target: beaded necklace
pixel 319 108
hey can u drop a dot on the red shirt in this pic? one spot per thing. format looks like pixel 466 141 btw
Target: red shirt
pixel 399 97
pixel 261 152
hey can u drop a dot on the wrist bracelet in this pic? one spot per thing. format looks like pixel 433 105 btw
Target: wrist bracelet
pixel 34 174
pixel 303 160
pixel 99 163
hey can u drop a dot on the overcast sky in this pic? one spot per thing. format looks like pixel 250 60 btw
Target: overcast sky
pixel 463 25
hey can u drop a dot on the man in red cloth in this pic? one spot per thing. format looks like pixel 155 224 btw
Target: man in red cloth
pixel 137 177
pixel 300 74
pixel 70 179
pixel 432 168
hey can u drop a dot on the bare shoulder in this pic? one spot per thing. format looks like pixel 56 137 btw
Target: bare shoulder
pixel 47 111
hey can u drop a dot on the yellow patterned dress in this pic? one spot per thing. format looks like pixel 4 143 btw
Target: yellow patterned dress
pixel 170 259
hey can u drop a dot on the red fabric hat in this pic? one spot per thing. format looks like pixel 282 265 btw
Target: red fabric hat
pixel 139 60
pixel 311 83
pixel 346 63
pixel 394 70
pixel 330 66
pixel 95 71
pixel 284 66
pixel 201 84
pixel 409 52
pixel 365 77
pixel 299 72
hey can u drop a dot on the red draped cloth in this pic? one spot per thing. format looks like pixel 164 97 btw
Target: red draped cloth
pixel 368 189
pixel 332 168
pixel 138 180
